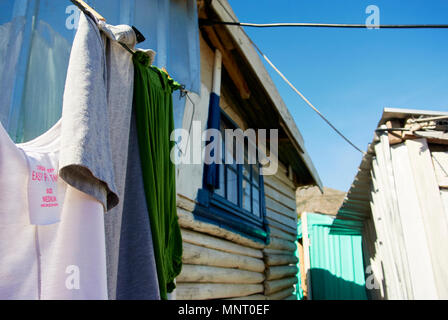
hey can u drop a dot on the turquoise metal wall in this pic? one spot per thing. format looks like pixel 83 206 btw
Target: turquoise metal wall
pixel 336 261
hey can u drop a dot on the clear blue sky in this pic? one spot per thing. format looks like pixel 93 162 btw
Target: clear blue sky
pixel 351 74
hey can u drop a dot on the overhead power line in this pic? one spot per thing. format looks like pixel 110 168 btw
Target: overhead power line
pixel 301 95
pixel 307 101
pixel 324 25
pixel 208 22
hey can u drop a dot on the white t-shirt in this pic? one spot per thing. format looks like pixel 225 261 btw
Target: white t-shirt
pixel 52 240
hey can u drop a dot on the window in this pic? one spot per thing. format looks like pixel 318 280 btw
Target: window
pixel 239 183
pixel 238 202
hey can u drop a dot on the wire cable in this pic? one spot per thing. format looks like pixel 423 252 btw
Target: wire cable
pixel 311 105
pixel 324 25
pixel 287 81
pixel 304 98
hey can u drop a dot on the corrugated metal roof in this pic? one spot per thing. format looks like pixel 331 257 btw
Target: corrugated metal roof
pixel 356 204
pixel 397 113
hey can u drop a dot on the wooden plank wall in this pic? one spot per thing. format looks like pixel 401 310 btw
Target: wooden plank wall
pixel 410 220
pixel 218 263
pixel 279 255
pixel 216 268
pixel 221 264
pixel 439 156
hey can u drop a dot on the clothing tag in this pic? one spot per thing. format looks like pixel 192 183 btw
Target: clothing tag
pixel 43 202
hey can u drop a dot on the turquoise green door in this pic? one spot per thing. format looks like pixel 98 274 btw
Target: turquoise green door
pixel 336 261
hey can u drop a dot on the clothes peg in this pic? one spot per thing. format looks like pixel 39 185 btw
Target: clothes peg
pixel 164 70
pixel 139 36
pixel 84 7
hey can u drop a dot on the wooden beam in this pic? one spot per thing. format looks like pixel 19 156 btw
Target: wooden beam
pixel 394 136
pixel 229 63
pixel 281 294
pixel 440 161
pixel 207 241
pixel 302 270
pixel 226 40
pixel 279 272
pixel 188 221
pixel 193 254
pixel 202 291
pixel 280 244
pixel 434 215
pixel 279 259
pixel 274 286
pixel 272 215
pixel 277 251
pixel 210 274
pixel 288 201
pixel 419 260
pixel 251 297
pixel 280 208
pixel 288 229
pixel 280 183
pixel 277 233
pixel 306 254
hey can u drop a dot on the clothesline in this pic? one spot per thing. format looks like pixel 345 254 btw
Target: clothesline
pixel 57 242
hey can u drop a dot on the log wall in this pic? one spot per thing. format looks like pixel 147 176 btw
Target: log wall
pixel 279 255
pixel 218 263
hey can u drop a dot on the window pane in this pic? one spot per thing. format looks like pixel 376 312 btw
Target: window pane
pixel 246 166
pixel 255 174
pixel 221 190
pixel 229 151
pixel 230 154
pixel 256 201
pixel 246 195
pixel 246 171
pixel 232 186
pixel 223 145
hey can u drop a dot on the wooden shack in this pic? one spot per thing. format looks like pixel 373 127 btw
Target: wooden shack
pixel 226 252
pixel 400 193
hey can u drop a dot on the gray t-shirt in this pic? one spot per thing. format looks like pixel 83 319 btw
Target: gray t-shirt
pixel 135 279
pixel 95 136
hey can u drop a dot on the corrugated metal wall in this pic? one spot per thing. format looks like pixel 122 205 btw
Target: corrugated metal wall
pixel 336 261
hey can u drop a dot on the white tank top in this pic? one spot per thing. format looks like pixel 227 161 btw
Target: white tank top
pixel 52 241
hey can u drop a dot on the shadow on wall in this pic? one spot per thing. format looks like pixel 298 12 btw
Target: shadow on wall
pixel 327 286
pixel 369 238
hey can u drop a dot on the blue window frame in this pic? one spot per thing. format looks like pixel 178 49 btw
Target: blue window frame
pixel 238 203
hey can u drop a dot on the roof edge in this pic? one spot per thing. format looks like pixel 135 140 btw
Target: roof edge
pixel 358 191
pixel 225 13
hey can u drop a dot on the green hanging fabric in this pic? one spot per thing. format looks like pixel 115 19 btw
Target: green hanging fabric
pixel 153 105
